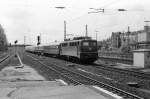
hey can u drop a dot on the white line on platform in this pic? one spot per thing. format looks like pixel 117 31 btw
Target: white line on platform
pixel 63 82
pixel 114 96
pixel 20 60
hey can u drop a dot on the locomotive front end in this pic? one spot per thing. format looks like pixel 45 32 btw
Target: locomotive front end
pixel 88 50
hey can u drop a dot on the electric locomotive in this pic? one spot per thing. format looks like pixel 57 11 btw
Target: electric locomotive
pixel 82 48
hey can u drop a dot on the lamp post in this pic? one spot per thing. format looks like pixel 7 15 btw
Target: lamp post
pixel 96 34
pixel 64 30
pixel 24 41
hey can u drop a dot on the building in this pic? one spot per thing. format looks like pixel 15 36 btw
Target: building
pixel 131 40
pixel 116 39
pixel 144 38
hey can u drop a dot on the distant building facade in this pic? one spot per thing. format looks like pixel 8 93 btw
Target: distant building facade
pixel 116 39
pixel 131 40
pixel 144 38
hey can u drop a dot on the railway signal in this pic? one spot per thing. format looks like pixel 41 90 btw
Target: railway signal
pixel 39 40
pixel 16 41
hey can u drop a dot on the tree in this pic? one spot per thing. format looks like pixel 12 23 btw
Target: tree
pixel 3 39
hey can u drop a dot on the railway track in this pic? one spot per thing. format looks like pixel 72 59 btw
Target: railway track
pixel 78 78
pixel 143 77
pixel 3 59
pixel 126 75
pixel 135 73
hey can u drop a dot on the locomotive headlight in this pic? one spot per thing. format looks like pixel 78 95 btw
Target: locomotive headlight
pixel 90 48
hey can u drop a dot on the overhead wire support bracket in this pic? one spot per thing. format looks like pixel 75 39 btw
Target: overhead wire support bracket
pixel 122 10
pixel 98 10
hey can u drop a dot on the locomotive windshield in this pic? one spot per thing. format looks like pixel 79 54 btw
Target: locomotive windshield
pixel 89 46
pixel 87 43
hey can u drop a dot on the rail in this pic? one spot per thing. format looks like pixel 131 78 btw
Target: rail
pixel 82 79
pixel 92 81
pixel 3 59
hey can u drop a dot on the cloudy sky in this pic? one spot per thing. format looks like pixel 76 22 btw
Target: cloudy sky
pixel 29 18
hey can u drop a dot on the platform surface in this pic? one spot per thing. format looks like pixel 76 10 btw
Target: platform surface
pixel 26 83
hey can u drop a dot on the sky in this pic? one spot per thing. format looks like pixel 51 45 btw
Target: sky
pixel 30 18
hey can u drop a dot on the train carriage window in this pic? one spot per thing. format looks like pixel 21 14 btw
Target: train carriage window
pixel 64 44
pixel 74 43
pixel 70 43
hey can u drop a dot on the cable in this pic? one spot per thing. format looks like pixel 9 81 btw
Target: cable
pixel 110 3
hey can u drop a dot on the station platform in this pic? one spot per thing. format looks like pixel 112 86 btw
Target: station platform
pixel 126 66
pixel 118 65
pixel 26 83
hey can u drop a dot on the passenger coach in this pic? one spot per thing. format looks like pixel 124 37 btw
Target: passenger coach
pixel 52 49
